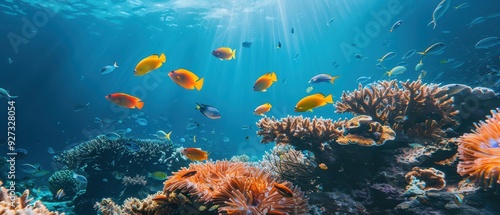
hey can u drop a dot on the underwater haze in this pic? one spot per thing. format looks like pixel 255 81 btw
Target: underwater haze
pixel 67 61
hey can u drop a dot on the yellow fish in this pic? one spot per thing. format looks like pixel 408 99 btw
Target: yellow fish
pixel 262 109
pixel 224 53
pixel 195 154
pixel 186 79
pixel 158 175
pixel 313 101
pixel 149 64
pixel 323 166
pixel 265 81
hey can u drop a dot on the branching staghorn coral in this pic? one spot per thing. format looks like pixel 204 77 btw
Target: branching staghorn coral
pixel 236 188
pixel 479 153
pixel 21 204
pixel 418 110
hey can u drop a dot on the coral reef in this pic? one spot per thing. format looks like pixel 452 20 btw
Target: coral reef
pixel 237 188
pixel 134 206
pixel 294 166
pixel 479 153
pixel 11 204
pixel 362 130
pixel 420 111
pixel 430 179
pixel 106 162
pixel 136 180
pixel 63 179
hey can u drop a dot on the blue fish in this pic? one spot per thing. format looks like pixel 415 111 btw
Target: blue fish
pixel 80 178
pixel 323 78
pixel 208 111
pixel 132 147
pixel 108 69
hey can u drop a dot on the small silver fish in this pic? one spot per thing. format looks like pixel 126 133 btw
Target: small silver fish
pixel 363 79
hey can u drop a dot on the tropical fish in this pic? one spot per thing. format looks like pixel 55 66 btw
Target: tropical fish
pixel 262 109
pixel 265 81
pixel 434 49
pixel 458 198
pixel 142 121
pixel 408 54
pixel 283 190
pixel 441 8
pixel 40 173
pixel 387 56
pixel 309 89
pixel 195 154
pixel 463 5
pixel 422 74
pixel 313 101
pixel 296 57
pixel 60 193
pixel 125 100
pixel 80 107
pixel 30 168
pixel 323 166
pixel 112 136
pixel 446 60
pixel 108 69
pixel 279 45
pixel 224 53
pixel 160 134
pixel 186 79
pixel 396 71
pixel 192 125
pixel 149 64
pixel 209 111
pixel 246 44
pixel 246 127
pixel 476 21
pixel 189 174
pixel 158 175
pixel 363 79
pixel 487 43
pixel 419 65
pixel 396 25
pixel 453 89
pixel 380 66
pixel 330 21
pixel 21 153
pixel 292 31
pixel 5 94
pixel 132 147
pixel 160 199
pixel 323 78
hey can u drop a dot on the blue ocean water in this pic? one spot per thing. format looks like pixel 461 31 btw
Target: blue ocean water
pixel 53 51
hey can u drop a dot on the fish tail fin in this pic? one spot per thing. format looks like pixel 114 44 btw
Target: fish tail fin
pixel 198 106
pixel 310 110
pixel 163 58
pixel 150 175
pixel 329 99
pixel 139 104
pixel 168 135
pixel 432 22
pixel 199 84
pixel 386 73
pixel 12 97
pixel 422 53
pixel 380 60
pixel 115 65
pixel 274 78
pixel 233 54
pixel 334 78
pixel 390 30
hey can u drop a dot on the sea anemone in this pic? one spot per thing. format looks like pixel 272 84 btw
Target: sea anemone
pixel 479 152
pixel 237 188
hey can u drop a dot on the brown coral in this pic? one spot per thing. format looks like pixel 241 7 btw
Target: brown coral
pixel 237 187
pixel 419 110
pixel 363 131
pixel 133 206
pixel 479 152
pixel 10 205
pixel 433 178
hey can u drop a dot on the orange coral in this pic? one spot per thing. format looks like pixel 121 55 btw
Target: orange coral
pixel 20 205
pixel 237 187
pixel 479 152
pixel 433 178
pixel 416 109
pixel 363 131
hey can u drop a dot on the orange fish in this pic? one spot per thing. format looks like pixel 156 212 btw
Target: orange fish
pixel 125 100
pixel 283 190
pixel 262 109
pixel 313 101
pixel 186 79
pixel 195 154
pixel 160 199
pixel 323 166
pixel 265 81
pixel 224 53
pixel 149 64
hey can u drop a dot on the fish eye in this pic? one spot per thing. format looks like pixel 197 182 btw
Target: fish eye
pixel 172 71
